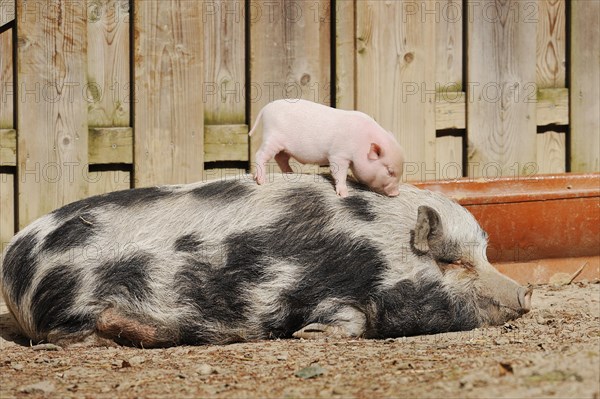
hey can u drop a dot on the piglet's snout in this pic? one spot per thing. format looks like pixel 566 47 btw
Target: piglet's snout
pixel 524 294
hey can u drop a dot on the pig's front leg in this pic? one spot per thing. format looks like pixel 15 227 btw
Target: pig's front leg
pixel 339 171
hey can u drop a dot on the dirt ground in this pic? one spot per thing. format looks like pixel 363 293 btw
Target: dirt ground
pixel 554 351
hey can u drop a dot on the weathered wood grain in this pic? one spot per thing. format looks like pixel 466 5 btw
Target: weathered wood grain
pixel 551 152
pixel 552 107
pixel 450 110
pixel 169 114
pixel 585 86
pixel 111 145
pixel 107 92
pixel 345 54
pixel 224 65
pixel 6 80
pixel 448 157
pixel 7 209
pixel 551 41
pixel 290 55
pixel 396 76
pixel 225 143
pixel 449 43
pixel 106 181
pixel 224 173
pixel 52 117
pixel 501 95
pixel 8 147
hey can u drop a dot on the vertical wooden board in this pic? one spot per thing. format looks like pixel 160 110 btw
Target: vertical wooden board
pixel 345 54
pixel 585 86
pixel 551 40
pixel 501 92
pixel 107 91
pixel 6 80
pixel 169 114
pixel 107 181
pixel 52 118
pixel 396 77
pixel 551 153
pixel 224 62
pixel 7 209
pixel 290 54
pixel 449 45
pixel 448 157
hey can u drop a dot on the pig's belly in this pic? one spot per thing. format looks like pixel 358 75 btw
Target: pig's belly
pixel 317 159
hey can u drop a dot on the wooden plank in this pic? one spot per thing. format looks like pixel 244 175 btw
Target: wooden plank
pixel 8 147
pixel 501 90
pixel 7 11
pixel 396 77
pixel 107 91
pixel 290 55
pixel 450 111
pixel 107 181
pixel 111 145
pixel 7 209
pixel 552 107
pixel 551 41
pixel 52 137
pixel 449 44
pixel 551 153
pixel 448 157
pixel 6 80
pixel 225 143
pixel 224 62
pixel 224 173
pixel 585 86
pixel 345 55
pixel 169 114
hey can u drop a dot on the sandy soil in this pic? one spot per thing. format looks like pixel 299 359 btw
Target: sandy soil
pixel 554 351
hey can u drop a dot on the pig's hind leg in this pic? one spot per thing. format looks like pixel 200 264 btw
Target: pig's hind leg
pixel 283 160
pixel 266 152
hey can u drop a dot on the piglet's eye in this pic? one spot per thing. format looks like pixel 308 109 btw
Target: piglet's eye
pixel 391 172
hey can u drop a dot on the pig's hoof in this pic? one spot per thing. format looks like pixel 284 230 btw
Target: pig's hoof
pixel 259 179
pixel 342 191
pixel 320 331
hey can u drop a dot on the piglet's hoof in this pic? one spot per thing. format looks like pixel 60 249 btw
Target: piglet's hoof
pixel 342 191
pixel 320 331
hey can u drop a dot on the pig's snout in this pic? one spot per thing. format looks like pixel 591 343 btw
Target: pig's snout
pixel 524 295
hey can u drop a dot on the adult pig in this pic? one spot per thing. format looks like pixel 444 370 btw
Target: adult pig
pixel 227 261
pixel 314 133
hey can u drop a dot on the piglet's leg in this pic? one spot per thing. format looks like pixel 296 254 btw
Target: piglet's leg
pixel 283 160
pixel 267 150
pixel 339 171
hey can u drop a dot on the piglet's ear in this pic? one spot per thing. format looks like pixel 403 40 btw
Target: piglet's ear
pixel 374 152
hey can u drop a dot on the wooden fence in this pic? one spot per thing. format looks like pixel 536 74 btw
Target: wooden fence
pixel 100 95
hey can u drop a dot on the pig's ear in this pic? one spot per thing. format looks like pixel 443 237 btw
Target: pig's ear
pixel 428 231
pixel 374 152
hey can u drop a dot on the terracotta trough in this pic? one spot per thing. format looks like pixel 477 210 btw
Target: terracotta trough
pixel 541 229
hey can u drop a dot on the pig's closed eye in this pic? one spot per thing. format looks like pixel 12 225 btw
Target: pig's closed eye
pixel 453 264
pixel 391 173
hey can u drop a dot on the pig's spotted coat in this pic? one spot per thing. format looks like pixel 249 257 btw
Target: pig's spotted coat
pixel 230 261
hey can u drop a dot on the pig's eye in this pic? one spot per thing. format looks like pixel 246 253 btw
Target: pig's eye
pixel 454 264
pixel 391 173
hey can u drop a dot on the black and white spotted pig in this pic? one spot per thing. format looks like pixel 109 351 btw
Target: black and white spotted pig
pixel 226 261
